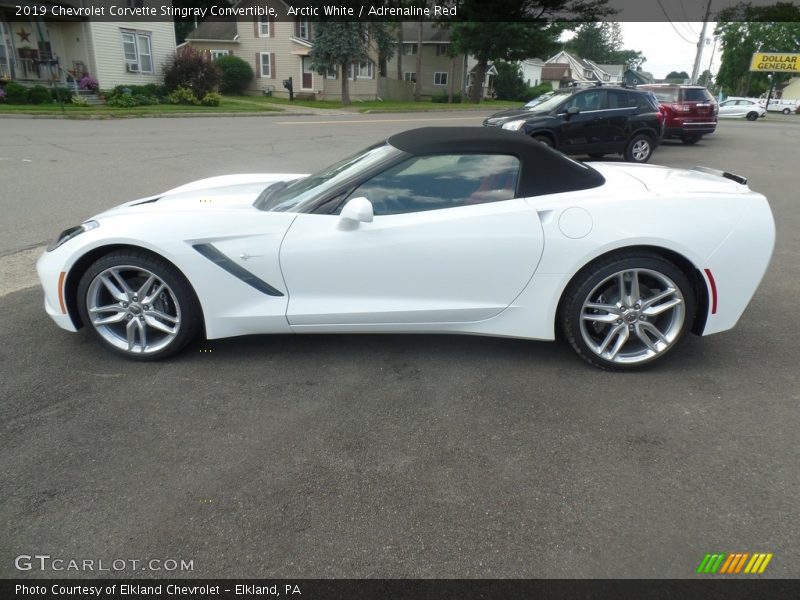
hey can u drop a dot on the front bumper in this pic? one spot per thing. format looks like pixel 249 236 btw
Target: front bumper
pixel 53 279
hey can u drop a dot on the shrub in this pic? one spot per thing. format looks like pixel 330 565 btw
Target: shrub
pixel 442 98
pixel 151 90
pixel 509 84
pixel 236 74
pixel 88 82
pixel 190 69
pixel 39 94
pixel 79 101
pixel 183 95
pixel 2 95
pixel 122 101
pixel 16 93
pixel 61 92
pixel 211 99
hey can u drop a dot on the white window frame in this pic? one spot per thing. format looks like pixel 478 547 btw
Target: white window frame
pixel 303 25
pixel 261 65
pixel 370 69
pixel 215 54
pixel 409 49
pixel 439 74
pixel 138 39
pixel 264 27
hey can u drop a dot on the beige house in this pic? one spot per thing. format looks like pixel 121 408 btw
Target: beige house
pixel 281 49
pixel 65 49
pixel 439 68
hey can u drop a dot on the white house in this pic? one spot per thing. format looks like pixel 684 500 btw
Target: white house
pixel 532 71
pixel 584 71
pixel 63 50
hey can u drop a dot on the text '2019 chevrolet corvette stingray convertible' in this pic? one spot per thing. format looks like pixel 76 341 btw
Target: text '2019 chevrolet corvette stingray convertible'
pixel 435 230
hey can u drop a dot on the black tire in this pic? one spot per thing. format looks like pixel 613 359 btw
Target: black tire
pixel 786 111
pixel 584 287
pixel 173 305
pixel 543 139
pixel 639 148
pixel 596 154
pixel 752 116
pixel 690 139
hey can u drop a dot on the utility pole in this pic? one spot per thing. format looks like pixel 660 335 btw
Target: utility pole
pixel 700 43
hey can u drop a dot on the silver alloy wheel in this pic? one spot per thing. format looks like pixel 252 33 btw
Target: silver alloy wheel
pixel 640 150
pixel 133 309
pixel 632 316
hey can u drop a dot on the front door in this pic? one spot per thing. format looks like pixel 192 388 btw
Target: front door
pixel 448 243
pixel 308 74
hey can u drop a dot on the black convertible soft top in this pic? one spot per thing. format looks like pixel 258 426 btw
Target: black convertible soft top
pixel 543 170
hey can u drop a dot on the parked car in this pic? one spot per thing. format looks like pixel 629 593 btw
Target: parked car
pixel 596 121
pixel 737 108
pixel 786 106
pixel 691 111
pixel 436 230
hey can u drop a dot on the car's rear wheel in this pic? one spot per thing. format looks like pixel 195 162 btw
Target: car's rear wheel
pixel 639 149
pixel 690 139
pixel 786 111
pixel 543 139
pixel 627 311
pixel 752 116
pixel 138 305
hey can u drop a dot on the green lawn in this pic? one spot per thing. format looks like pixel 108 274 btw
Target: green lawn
pixel 228 105
pixel 388 105
pixel 242 104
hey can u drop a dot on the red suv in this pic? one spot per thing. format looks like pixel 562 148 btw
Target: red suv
pixel 690 110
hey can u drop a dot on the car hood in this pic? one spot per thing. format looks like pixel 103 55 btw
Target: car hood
pixel 666 181
pixel 227 192
pixel 511 114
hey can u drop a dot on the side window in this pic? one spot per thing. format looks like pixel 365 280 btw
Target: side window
pixel 618 99
pixel 591 100
pixel 441 181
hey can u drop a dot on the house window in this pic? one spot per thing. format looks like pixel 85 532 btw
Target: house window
pixel 440 78
pixel 442 49
pixel 215 54
pixel 264 27
pixel 363 70
pixel 409 49
pixel 137 48
pixel 410 76
pixel 302 30
pixel 265 64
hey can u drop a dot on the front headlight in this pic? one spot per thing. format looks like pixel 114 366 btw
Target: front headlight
pixel 70 233
pixel 514 125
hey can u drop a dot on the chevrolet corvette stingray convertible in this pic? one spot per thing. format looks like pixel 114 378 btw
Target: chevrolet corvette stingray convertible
pixel 435 230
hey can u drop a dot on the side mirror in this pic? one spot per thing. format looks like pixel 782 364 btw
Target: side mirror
pixel 573 110
pixel 358 210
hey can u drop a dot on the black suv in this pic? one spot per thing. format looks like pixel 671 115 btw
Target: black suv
pixel 594 121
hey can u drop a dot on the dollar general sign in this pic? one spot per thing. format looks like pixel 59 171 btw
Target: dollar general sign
pixel 772 61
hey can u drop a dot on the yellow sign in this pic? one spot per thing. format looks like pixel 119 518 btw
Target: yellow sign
pixel 775 61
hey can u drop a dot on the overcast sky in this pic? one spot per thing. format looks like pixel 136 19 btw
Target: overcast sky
pixel 670 46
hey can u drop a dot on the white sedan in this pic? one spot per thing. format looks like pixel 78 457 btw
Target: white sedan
pixel 737 108
pixel 436 230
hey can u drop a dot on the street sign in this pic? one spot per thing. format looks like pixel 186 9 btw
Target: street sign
pixel 775 61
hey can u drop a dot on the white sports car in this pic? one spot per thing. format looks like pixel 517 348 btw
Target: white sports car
pixel 436 230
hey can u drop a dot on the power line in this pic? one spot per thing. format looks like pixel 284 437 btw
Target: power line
pixel 673 24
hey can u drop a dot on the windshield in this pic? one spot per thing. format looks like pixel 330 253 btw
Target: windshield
pixel 285 197
pixel 552 102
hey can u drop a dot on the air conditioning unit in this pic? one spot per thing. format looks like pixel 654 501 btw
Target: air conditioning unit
pixel 133 67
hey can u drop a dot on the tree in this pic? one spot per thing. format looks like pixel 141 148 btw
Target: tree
pixel 705 79
pixel 602 43
pixel 526 32
pixel 509 83
pixel 745 29
pixel 336 46
pixel 677 76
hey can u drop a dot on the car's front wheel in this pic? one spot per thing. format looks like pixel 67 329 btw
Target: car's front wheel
pixel 627 311
pixel 752 116
pixel 138 305
pixel 639 149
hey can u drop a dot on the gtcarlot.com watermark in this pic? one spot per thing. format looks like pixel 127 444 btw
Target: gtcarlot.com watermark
pixel 47 563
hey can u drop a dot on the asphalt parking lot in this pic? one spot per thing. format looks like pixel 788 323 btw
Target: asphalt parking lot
pixel 381 456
